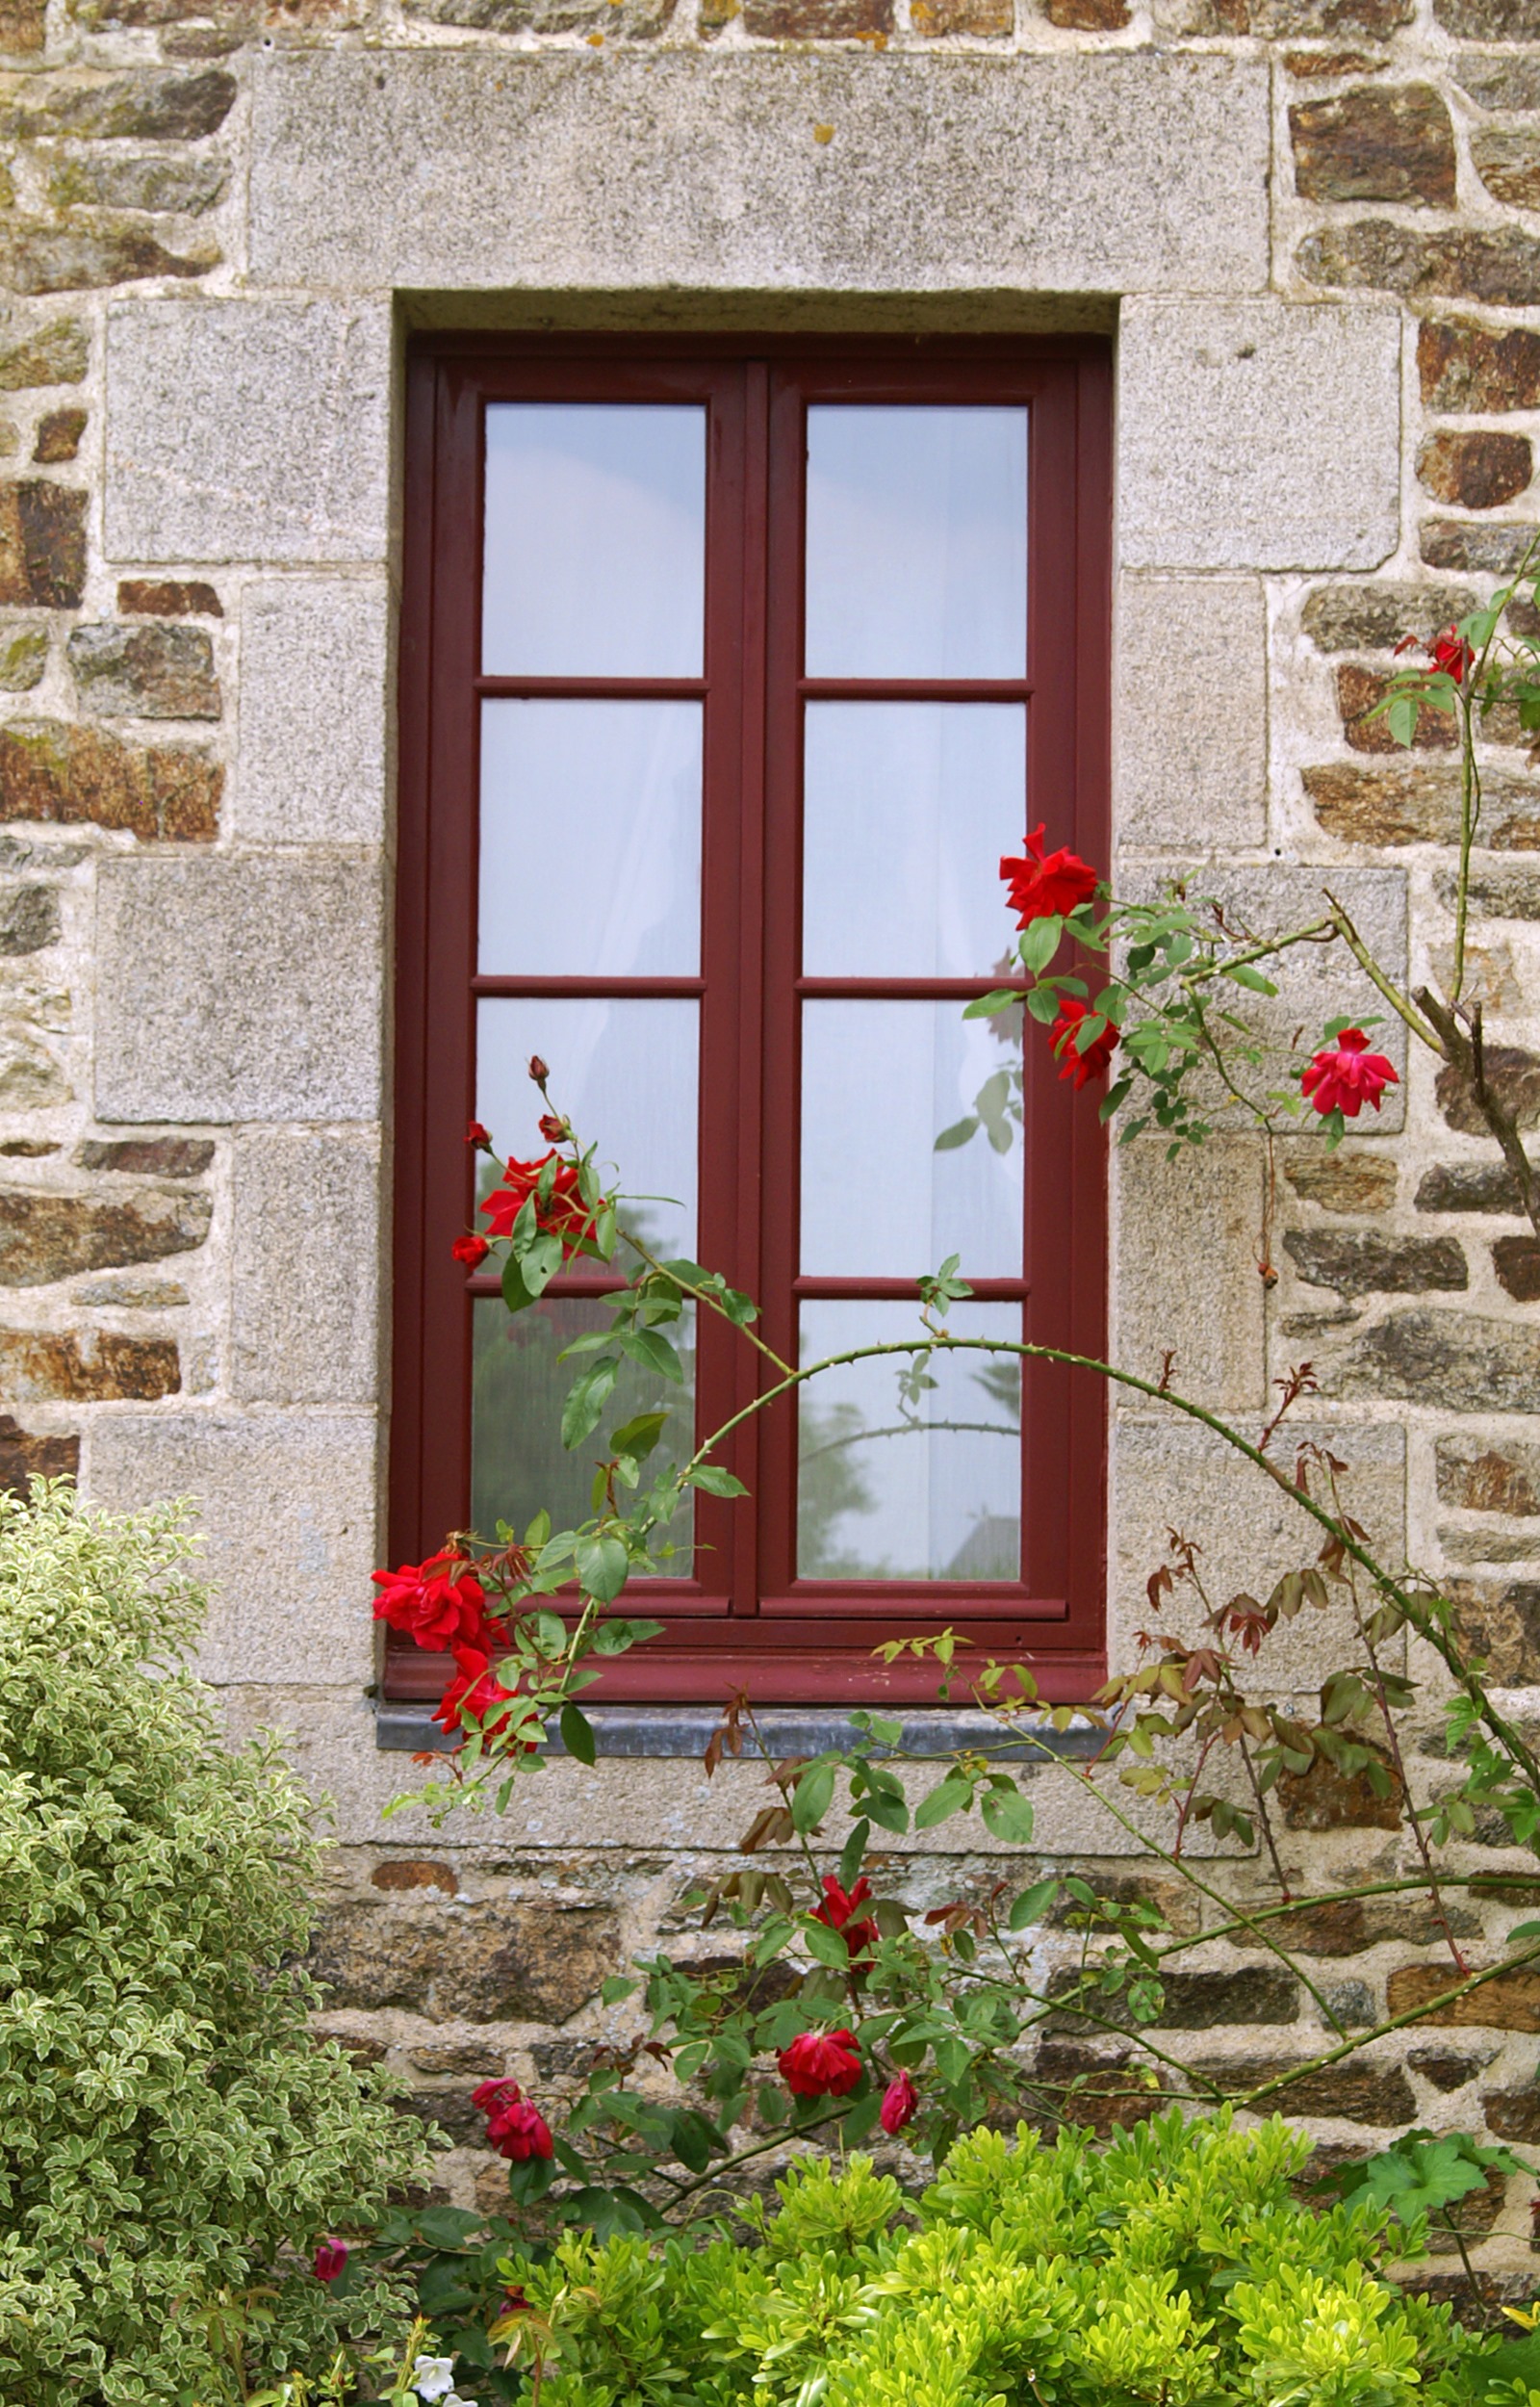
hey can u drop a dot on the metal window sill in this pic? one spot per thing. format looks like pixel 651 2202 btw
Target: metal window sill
pixel 680 1732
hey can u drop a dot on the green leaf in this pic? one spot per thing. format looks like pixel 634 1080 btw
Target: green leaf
pixel 1040 942
pixel 615 1989
pixel 577 1734
pixel 949 1796
pixel 825 1946
pixel 1245 975
pixel 985 1006
pixel 1032 1905
pixel 1007 1815
pixel 639 1436
pixel 716 1480
pixel 957 1134
pixel 515 1294
pixel 653 1352
pixel 603 1564
pixel 811 1797
pixel 853 1854
pixel 586 1401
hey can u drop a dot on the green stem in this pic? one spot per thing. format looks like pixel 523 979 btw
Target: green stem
pixel 1376 977
pixel 1393 2022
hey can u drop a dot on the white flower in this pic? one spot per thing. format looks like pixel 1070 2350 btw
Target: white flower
pixel 455 2400
pixel 433 2377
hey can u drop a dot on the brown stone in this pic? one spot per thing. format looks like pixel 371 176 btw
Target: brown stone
pixel 1087 16
pixel 148 104
pixel 49 771
pixel 478 1963
pixel 1501 891
pixel 59 436
pixel 1302 21
pixel 1490 20
pixel 977 19
pixel 1419 803
pixel 1516 1262
pixel 1324 1799
pixel 1511 2001
pixel 27 1149
pixel 1257 1993
pixel 151 596
pixel 1354 2092
pixel 1508 160
pixel 634 20
pixel 1321 65
pixel 24 1456
pixel 1376 143
pixel 157 671
pixel 419 1873
pixel 1480 1475
pixel 1489 1546
pixel 57 354
pixel 45 1236
pixel 450 2112
pixel 24 658
pixel 1173 1901
pixel 1513 2114
pixel 1360 692
pixel 1443 2069
pixel 817 20
pixel 1477 471
pixel 147 1157
pixel 1345 1182
pixel 1500 1626
pixel 39 255
pixel 1500 265
pixel 23 26
pixel 38 1367
pixel 471 2056
pixel 1373 618
pixel 1513 1078
pixel 183 186
pixel 1468 1187
pixel 1366 1262
pixel 1458 1361
pixel 1096 2093
pixel 1489 550
pixel 1499 83
pixel 29 918
pixel 42 542
pixel 1464 365
pixel 1353 1923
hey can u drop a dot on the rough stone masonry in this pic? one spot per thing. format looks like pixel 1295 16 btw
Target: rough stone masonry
pixel 1314 226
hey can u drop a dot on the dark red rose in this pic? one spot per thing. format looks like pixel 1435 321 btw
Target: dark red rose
pixel 564 1215
pixel 820 2065
pixel 329 2260
pixel 900 2103
pixel 1044 889
pixel 1450 652
pixel 439 1602
pixel 471 1250
pixel 1346 1076
pixel 474 1690
pixel 538 1069
pixel 837 1910
pixel 478 1136
pixel 515 2129
pixel 554 1128
pixel 1081 1067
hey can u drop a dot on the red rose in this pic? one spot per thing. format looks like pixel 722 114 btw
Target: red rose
pixel 554 1128
pixel 1346 1076
pixel 478 1136
pixel 515 2128
pixel 837 1909
pixel 1040 889
pixel 471 1250
pixel 329 2260
pixel 474 1690
pixel 565 1215
pixel 1081 1067
pixel 820 2065
pixel 439 1608
pixel 1451 653
pixel 900 2102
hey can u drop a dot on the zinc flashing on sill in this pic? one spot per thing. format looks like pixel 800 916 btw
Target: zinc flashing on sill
pixel 680 1732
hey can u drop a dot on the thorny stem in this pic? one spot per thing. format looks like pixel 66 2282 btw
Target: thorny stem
pixel 703 1297
pixel 1376 977
pixel 1394 2022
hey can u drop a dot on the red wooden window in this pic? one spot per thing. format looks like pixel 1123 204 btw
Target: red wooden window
pixel 728 672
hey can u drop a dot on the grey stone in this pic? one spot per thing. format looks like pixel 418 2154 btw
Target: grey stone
pixel 1513 1077
pixel 29 918
pixel 1462 1545
pixel 238 989
pixel 1483 551
pixel 46 1237
pixel 1365 1261
pixel 1350 1180
pixel 39 255
pixel 490 1962
pixel 1192 711
pixel 56 353
pixel 247 430
pixel 1373 618
pixel 1468 1187
pixel 24 658
pixel 287 1508
pixel 1499 83
pixel 373 170
pixel 1488 1475
pixel 144 101
pixel 1187 1268
pixel 186 185
pixel 1497 264
pixel 314 712
pixel 147 670
pixel 1498 891
pixel 1258 435
pixel 304 1328
pixel 1458 1361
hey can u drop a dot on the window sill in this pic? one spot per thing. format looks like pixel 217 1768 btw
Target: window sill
pixel 682 1731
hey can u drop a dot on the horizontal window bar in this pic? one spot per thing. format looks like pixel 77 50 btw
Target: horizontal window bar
pixel 592 688
pixel 915 688
pixel 883 1291
pixel 907 990
pixel 600 990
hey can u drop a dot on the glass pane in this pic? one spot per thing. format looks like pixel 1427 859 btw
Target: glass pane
pixel 518 1463
pixel 890 1490
pixel 881 1082
pixel 595 540
pixel 625 1075
pixel 916 542
pixel 591 839
pixel 907 809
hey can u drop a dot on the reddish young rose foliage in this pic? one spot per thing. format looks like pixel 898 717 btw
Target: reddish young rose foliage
pixel 515 2128
pixel 1082 1068
pixel 474 1690
pixel 471 1250
pixel 441 1604
pixel 1044 889
pixel 1346 1076
pixel 329 2260
pixel 837 1908
pixel 820 2065
pixel 565 1215
pixel 900 2104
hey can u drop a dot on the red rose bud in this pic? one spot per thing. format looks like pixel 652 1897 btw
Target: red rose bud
pixel 441 1604
pixel 329 2260
pixel 900 2104
pixel 554 1128
pixel 478 1136
pixel 820 2065
pixel 539 1070
pixel 471 1250
pixel 1040 889
pixel 1081 1067
pixel 1346 1076
pixel 515 2129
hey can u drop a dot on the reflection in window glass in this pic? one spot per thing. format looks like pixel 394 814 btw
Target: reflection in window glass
pixel 907 809
pixel 893 1489
pixel 625 1073
pixel 519 1465
pixel 916 542
pixel 590 839
pixel 595 540
pixel 881 1082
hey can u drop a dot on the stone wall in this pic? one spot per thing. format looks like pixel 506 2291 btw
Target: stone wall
pixel 1314 227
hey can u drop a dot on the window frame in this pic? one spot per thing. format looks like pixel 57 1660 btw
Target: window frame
pixel 800 1641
